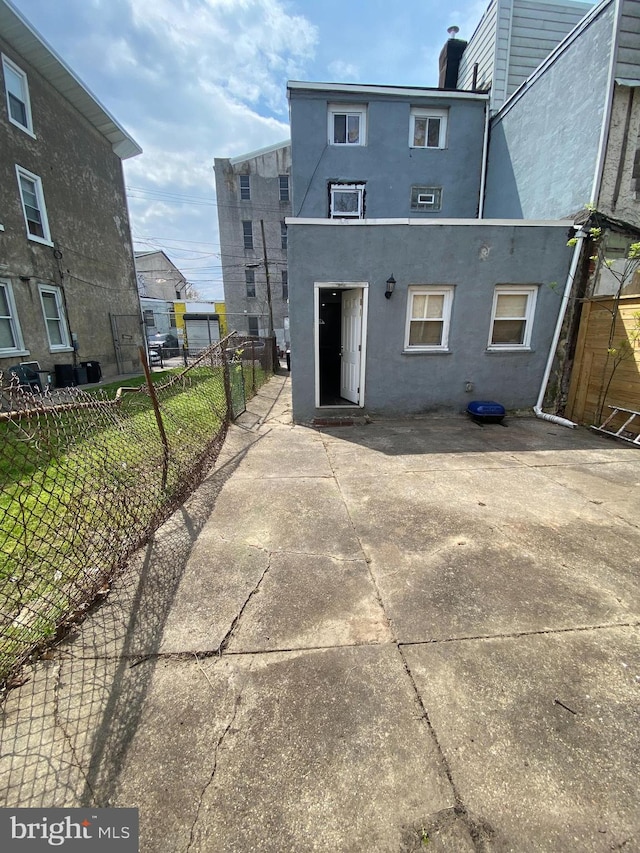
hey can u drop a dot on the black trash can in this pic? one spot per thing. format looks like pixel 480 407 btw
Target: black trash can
pixel 94 371
pixel 80 375
pixel 64 375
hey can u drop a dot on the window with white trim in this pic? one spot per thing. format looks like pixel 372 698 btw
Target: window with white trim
pixel 427 128
pixel 347 124
pixel 283 187
pixel 245 187
pixel 17 91
pixel 346 201
pixel 512 317
pixel 33 207
pixel 283 236
pixel 428 318
pixel 426 198
pixel 11 342
pixel 285 285
pixel 54 317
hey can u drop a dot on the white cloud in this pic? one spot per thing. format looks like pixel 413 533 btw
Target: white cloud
pixel 343 72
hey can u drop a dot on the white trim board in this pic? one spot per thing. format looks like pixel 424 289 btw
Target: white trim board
pixel 465 223
pixel 403 91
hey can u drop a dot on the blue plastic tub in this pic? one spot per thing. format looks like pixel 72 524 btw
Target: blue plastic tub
pixel 486 410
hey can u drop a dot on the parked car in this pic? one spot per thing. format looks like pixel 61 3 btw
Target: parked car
pixel 166 342
pixel 155 358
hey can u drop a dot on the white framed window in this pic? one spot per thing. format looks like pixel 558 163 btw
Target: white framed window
pixel 283 236
pixel 33 207
pixel 54 317
pixel 17 91
pixel 426 198
pixel 245 187
pixel 346 201
pixel 427 128
pixel 347 124
pixel 285 285
pixel 428 318
pixel 512 317
pixel 283 187
pixel 11 341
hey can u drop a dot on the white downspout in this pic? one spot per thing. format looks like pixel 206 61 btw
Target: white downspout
pixel 485 157
pixel 580 235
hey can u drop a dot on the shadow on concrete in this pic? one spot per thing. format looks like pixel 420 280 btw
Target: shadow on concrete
pixel 68 722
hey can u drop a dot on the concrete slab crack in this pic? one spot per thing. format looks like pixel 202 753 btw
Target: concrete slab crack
pixel 77 762
pixel 217 748
pixel 227 637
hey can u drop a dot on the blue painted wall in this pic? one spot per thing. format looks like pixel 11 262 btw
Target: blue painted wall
pixel 472 258
pixel 386 163
pixel 544 147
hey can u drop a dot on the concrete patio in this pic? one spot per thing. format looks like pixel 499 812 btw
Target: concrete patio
pixel 396 636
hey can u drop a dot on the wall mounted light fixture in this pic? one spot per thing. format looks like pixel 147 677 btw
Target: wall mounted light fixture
pixel 391 283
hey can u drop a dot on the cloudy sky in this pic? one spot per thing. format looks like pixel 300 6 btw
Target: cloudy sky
pixel 191 80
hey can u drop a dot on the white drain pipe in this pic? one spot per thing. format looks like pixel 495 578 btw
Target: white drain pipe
pixel 537 409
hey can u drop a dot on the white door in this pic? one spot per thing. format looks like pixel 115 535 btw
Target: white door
pixel 350 350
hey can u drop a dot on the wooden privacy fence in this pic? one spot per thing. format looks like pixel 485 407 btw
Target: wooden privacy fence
pixel 606 370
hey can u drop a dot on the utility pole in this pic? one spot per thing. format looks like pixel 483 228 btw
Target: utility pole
pixel 274 346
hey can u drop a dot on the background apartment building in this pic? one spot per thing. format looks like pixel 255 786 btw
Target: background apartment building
pixel 254 199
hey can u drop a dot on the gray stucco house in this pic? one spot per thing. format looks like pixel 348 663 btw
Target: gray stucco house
pixel 403 300
pixel 254 199
pixel 67 281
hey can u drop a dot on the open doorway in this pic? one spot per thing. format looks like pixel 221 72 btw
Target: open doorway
pixel 340 312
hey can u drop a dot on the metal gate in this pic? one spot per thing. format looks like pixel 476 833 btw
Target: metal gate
pixel 236 383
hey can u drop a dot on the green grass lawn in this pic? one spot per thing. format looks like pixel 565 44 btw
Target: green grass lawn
pixel 80 489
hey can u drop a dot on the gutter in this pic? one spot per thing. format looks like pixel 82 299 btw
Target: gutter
pixel 485 158
pixel 537 409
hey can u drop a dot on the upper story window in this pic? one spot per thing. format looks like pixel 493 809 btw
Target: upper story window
pixel 245 188
pixel 426 198
pixel 54 317
pixel 17 90
pixel 11 342
pixel 512 317
pixel 247 233
pixel 283 181
pixel 283 236
pixel 428 128
pixel 428 316
pixel 346 201
pixel 250 280
pixel 285 285
pixel 347 124
pixel 33 207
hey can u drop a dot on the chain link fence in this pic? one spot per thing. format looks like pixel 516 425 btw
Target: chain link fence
pixel 86 476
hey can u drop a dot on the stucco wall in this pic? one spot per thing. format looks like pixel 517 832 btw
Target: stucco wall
pixel 545 142
pixel 85 203
pixel 264 171
pixel 471 257
pixel 386 163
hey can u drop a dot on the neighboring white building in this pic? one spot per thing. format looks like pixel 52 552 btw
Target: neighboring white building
pixel 511 40
pixel 159 278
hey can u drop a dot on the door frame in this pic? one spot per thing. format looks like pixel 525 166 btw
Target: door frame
pixel 363 286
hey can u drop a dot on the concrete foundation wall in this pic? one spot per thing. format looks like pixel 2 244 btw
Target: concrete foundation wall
pixel 472 258
pixel 91 258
